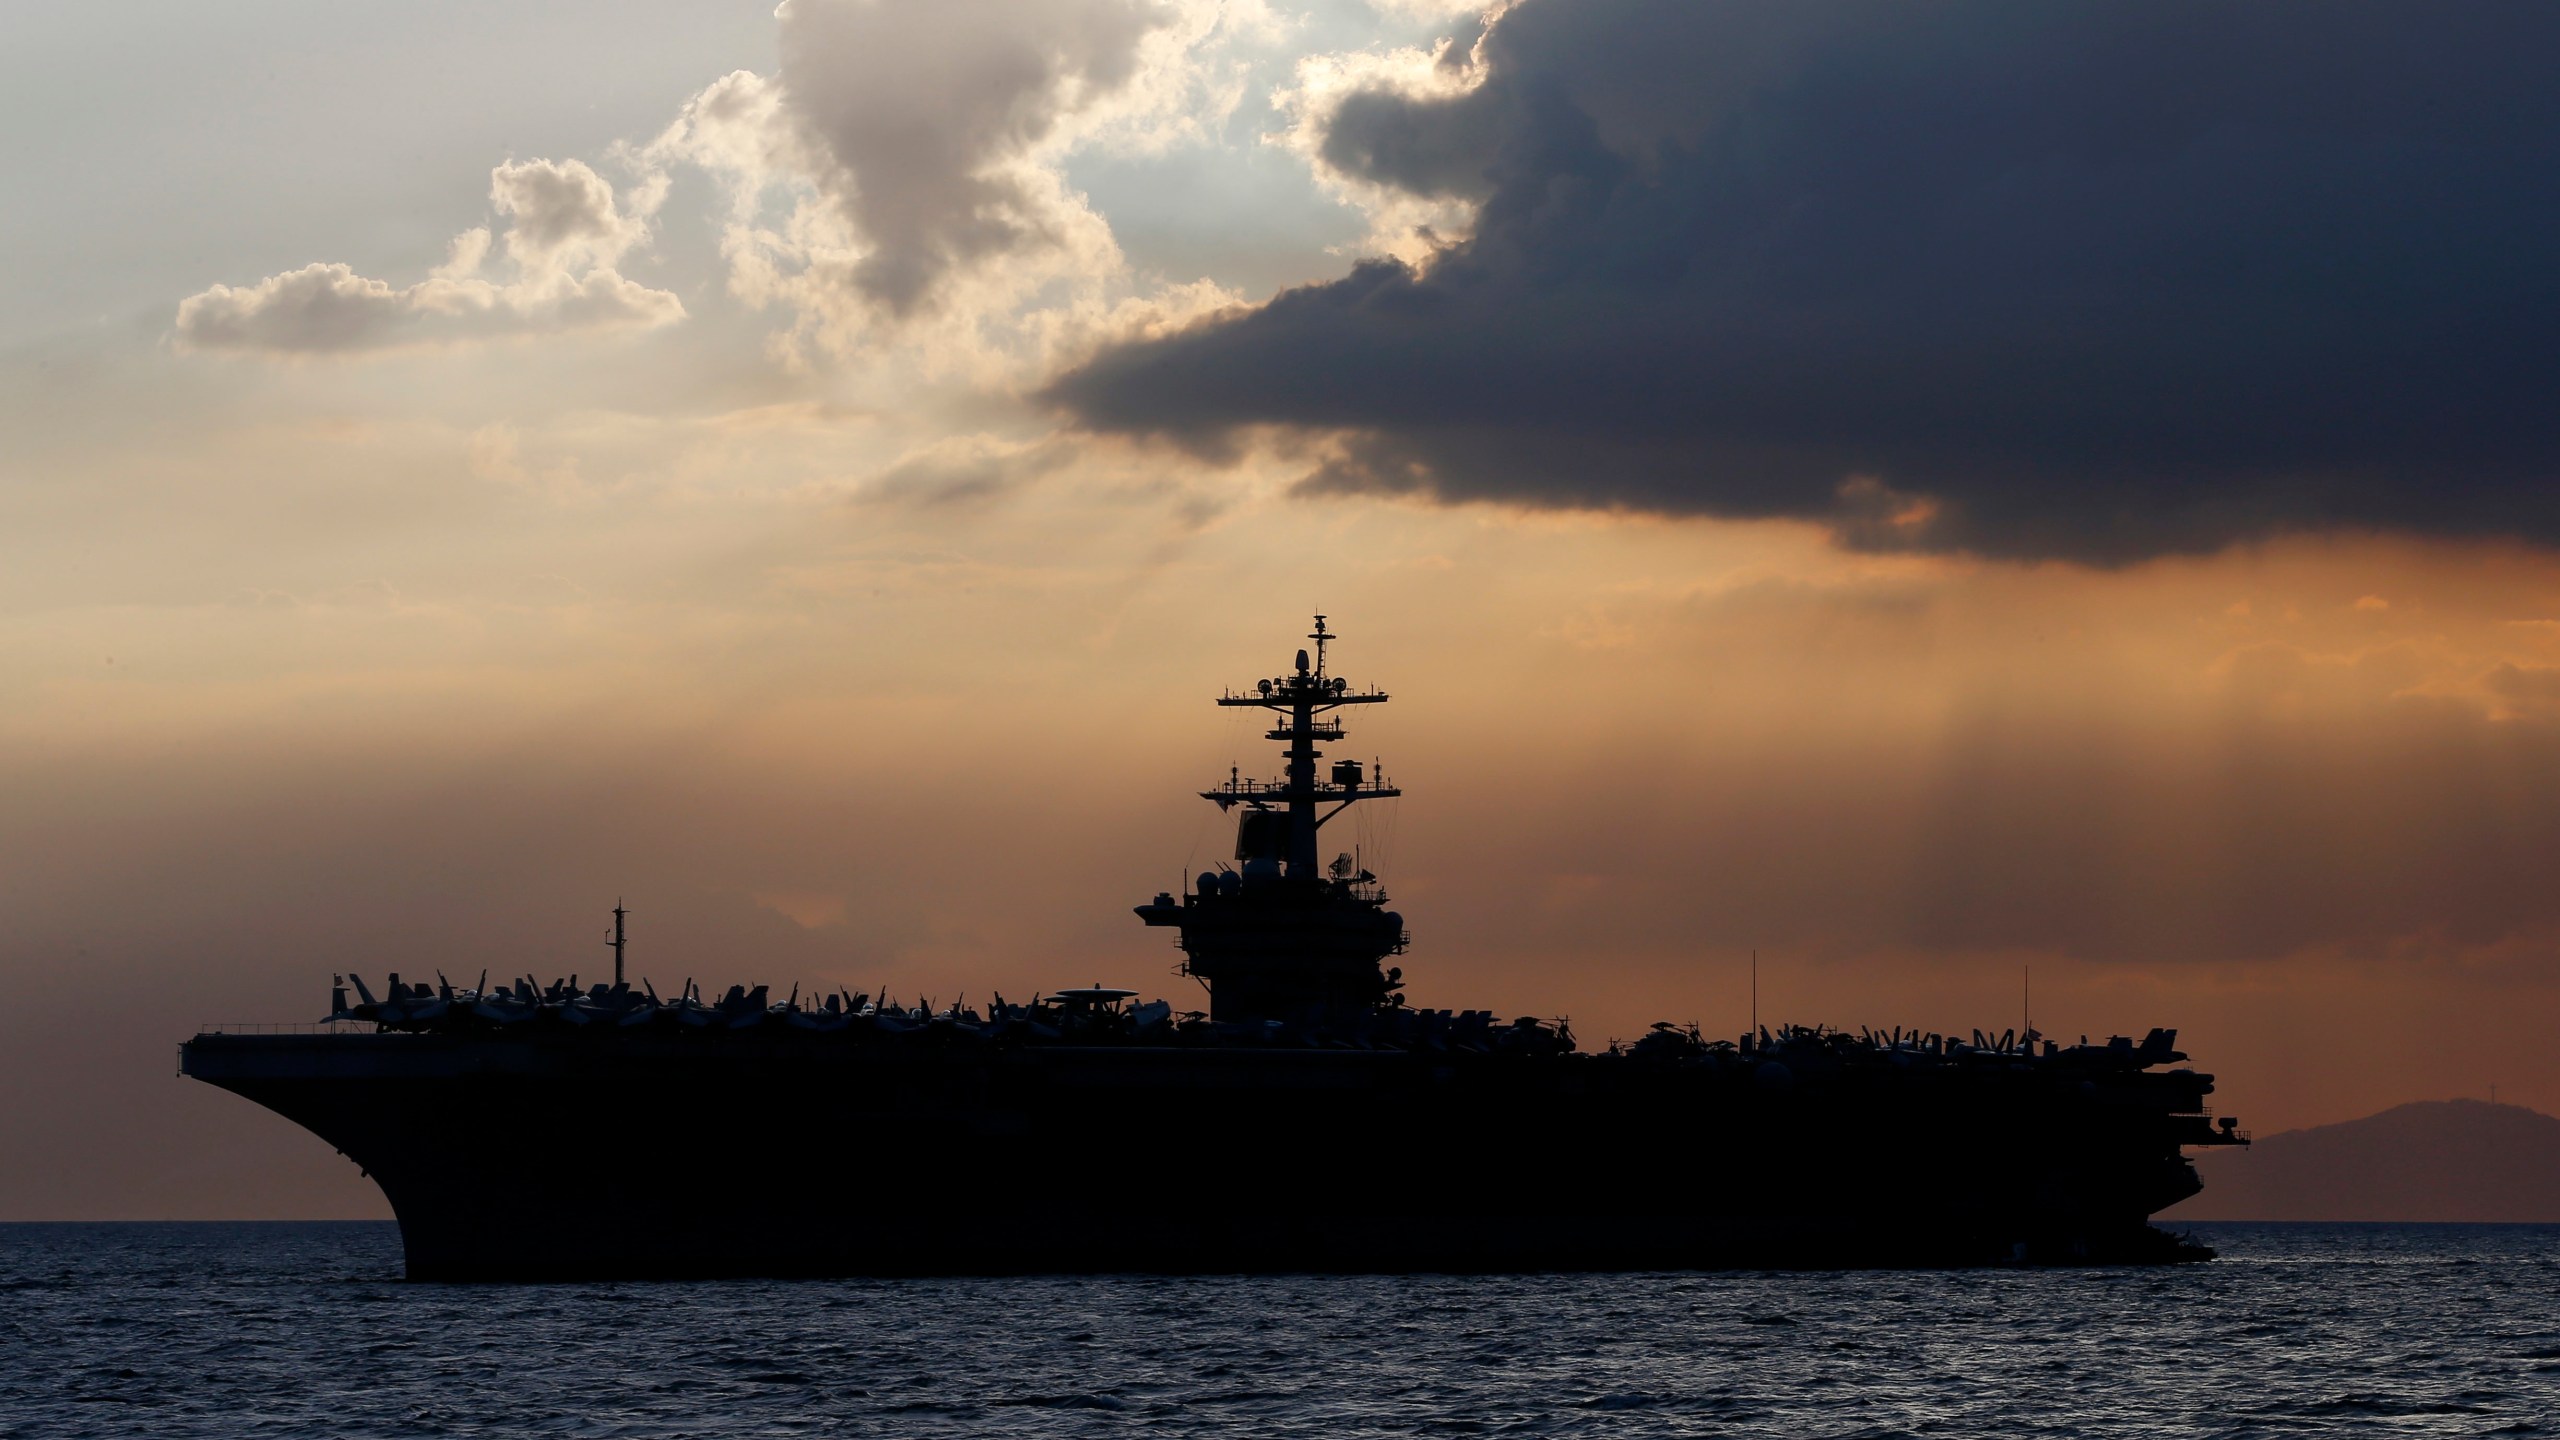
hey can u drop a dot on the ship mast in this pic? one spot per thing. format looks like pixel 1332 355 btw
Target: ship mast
pixel 1302 697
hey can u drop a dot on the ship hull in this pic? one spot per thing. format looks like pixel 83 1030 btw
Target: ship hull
pixel 648 1156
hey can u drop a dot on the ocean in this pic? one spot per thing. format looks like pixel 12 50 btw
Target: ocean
pixel 306 1330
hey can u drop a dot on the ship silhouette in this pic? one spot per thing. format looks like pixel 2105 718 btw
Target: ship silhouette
pixel 1311 1120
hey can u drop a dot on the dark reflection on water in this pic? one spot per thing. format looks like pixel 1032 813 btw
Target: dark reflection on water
pixel 248 1330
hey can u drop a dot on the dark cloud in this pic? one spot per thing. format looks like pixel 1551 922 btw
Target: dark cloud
pixel 2097 281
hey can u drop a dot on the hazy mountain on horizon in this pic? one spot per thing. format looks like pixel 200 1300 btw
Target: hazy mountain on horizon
pixel 2460 1160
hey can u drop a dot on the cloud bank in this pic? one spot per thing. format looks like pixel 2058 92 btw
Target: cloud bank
pixel 898 181
pixel 564 238
pixel 2100 281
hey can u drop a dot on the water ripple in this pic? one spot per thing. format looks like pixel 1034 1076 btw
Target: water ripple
pixel 295 1330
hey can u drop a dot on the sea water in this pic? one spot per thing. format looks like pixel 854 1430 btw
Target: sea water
pixel 294 1330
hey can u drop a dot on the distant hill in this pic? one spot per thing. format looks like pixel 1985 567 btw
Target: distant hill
pixel 2434 1160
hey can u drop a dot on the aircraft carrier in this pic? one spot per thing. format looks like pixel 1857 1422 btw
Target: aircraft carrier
pixel 1312 1119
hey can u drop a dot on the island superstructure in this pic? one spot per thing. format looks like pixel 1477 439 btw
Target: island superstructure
pixel 1313 1118
pixel 1278 939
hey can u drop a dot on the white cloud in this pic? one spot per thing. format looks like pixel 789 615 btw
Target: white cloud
pixel 897 187
pixel 562 215
pixel 1403 224
pixel 565 236
pixel 314 310
pixel 901 176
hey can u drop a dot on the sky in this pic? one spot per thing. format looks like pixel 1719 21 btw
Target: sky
pixel 1959 501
